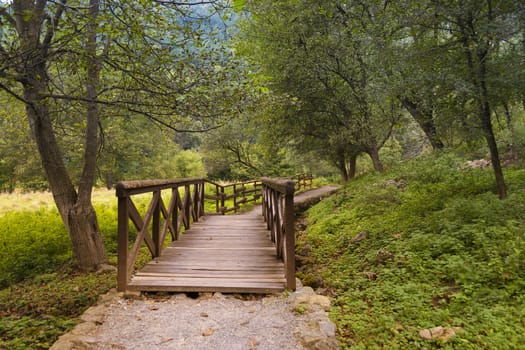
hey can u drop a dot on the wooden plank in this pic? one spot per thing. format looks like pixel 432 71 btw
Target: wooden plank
pixel 210 277
pixel 210 274
pixel 204 285
pixel 227 273
pixel 219 265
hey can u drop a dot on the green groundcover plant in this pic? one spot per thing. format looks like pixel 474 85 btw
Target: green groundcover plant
pixel 427 244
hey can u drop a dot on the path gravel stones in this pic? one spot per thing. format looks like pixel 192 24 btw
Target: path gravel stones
pixel 210 321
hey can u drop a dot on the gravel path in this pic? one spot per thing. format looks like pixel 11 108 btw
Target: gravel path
pixel 210 322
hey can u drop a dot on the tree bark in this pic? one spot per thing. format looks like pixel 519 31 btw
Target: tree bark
pixel 425 121
pixel 486 124
pixel 343 172
pixel 512 131
pixel 478 75
pixel 340 163
pixel 85 234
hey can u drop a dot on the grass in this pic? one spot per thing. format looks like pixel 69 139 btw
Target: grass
pixel 42 295
pixel 436 248
pixel 30 201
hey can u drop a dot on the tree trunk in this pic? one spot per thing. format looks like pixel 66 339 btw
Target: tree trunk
pixel 512 131
pixel 352 166
pixel 486 124
pixel 478 73
pixel 88 247
pixel 78 216
pixel 494 156
pixel 343 171
pixel 425 121
pixel 373 152
pixel 58 179
pixel 76 211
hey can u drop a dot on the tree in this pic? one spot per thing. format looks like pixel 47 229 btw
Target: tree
pixel 89 57
pixel 312 53
pixel 470 38
pixel 240 150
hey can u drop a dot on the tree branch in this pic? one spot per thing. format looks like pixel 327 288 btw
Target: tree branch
pixel 171 127
pixel 53 23
pixel 7 16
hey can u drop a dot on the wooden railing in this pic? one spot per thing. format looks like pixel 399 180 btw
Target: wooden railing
pixel 278 212
pixel 186 205
pixel 303 181
pixel 239 193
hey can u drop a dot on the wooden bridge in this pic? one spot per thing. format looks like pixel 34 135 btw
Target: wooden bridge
pixel 250 252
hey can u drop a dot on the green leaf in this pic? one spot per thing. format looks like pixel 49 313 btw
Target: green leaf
pixel 238 5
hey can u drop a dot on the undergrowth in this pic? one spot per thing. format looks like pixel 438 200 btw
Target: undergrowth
pixel 428 244
pixel 34 313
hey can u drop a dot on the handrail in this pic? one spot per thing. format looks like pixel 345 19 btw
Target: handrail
pixel 179 212
pixel 278 212
pixel 303 181
pixel 241 193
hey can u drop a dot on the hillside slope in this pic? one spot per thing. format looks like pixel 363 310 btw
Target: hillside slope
pixel 422 246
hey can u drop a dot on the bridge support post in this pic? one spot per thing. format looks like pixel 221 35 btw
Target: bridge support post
pixel 122 250
pixel 155 227
pixel 289 216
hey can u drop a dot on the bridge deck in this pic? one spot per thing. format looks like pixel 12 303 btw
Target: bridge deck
pixel 231 253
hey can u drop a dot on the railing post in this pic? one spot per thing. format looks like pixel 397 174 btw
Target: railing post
pixel 223 203
pixel 201 199
pixel 217 199
pixel 263 201
pixel 155 228
pixel 187 206
pixel 195 206
pixel 289 227
pixel 234 198
pixel 175 214
pixel 122 245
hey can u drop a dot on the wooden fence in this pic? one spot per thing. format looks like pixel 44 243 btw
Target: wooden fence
pixel 278 212
pixel 303 182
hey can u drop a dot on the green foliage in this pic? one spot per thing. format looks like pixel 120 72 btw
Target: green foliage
pixel 31 242
pixel 35 313
pixel 439 249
